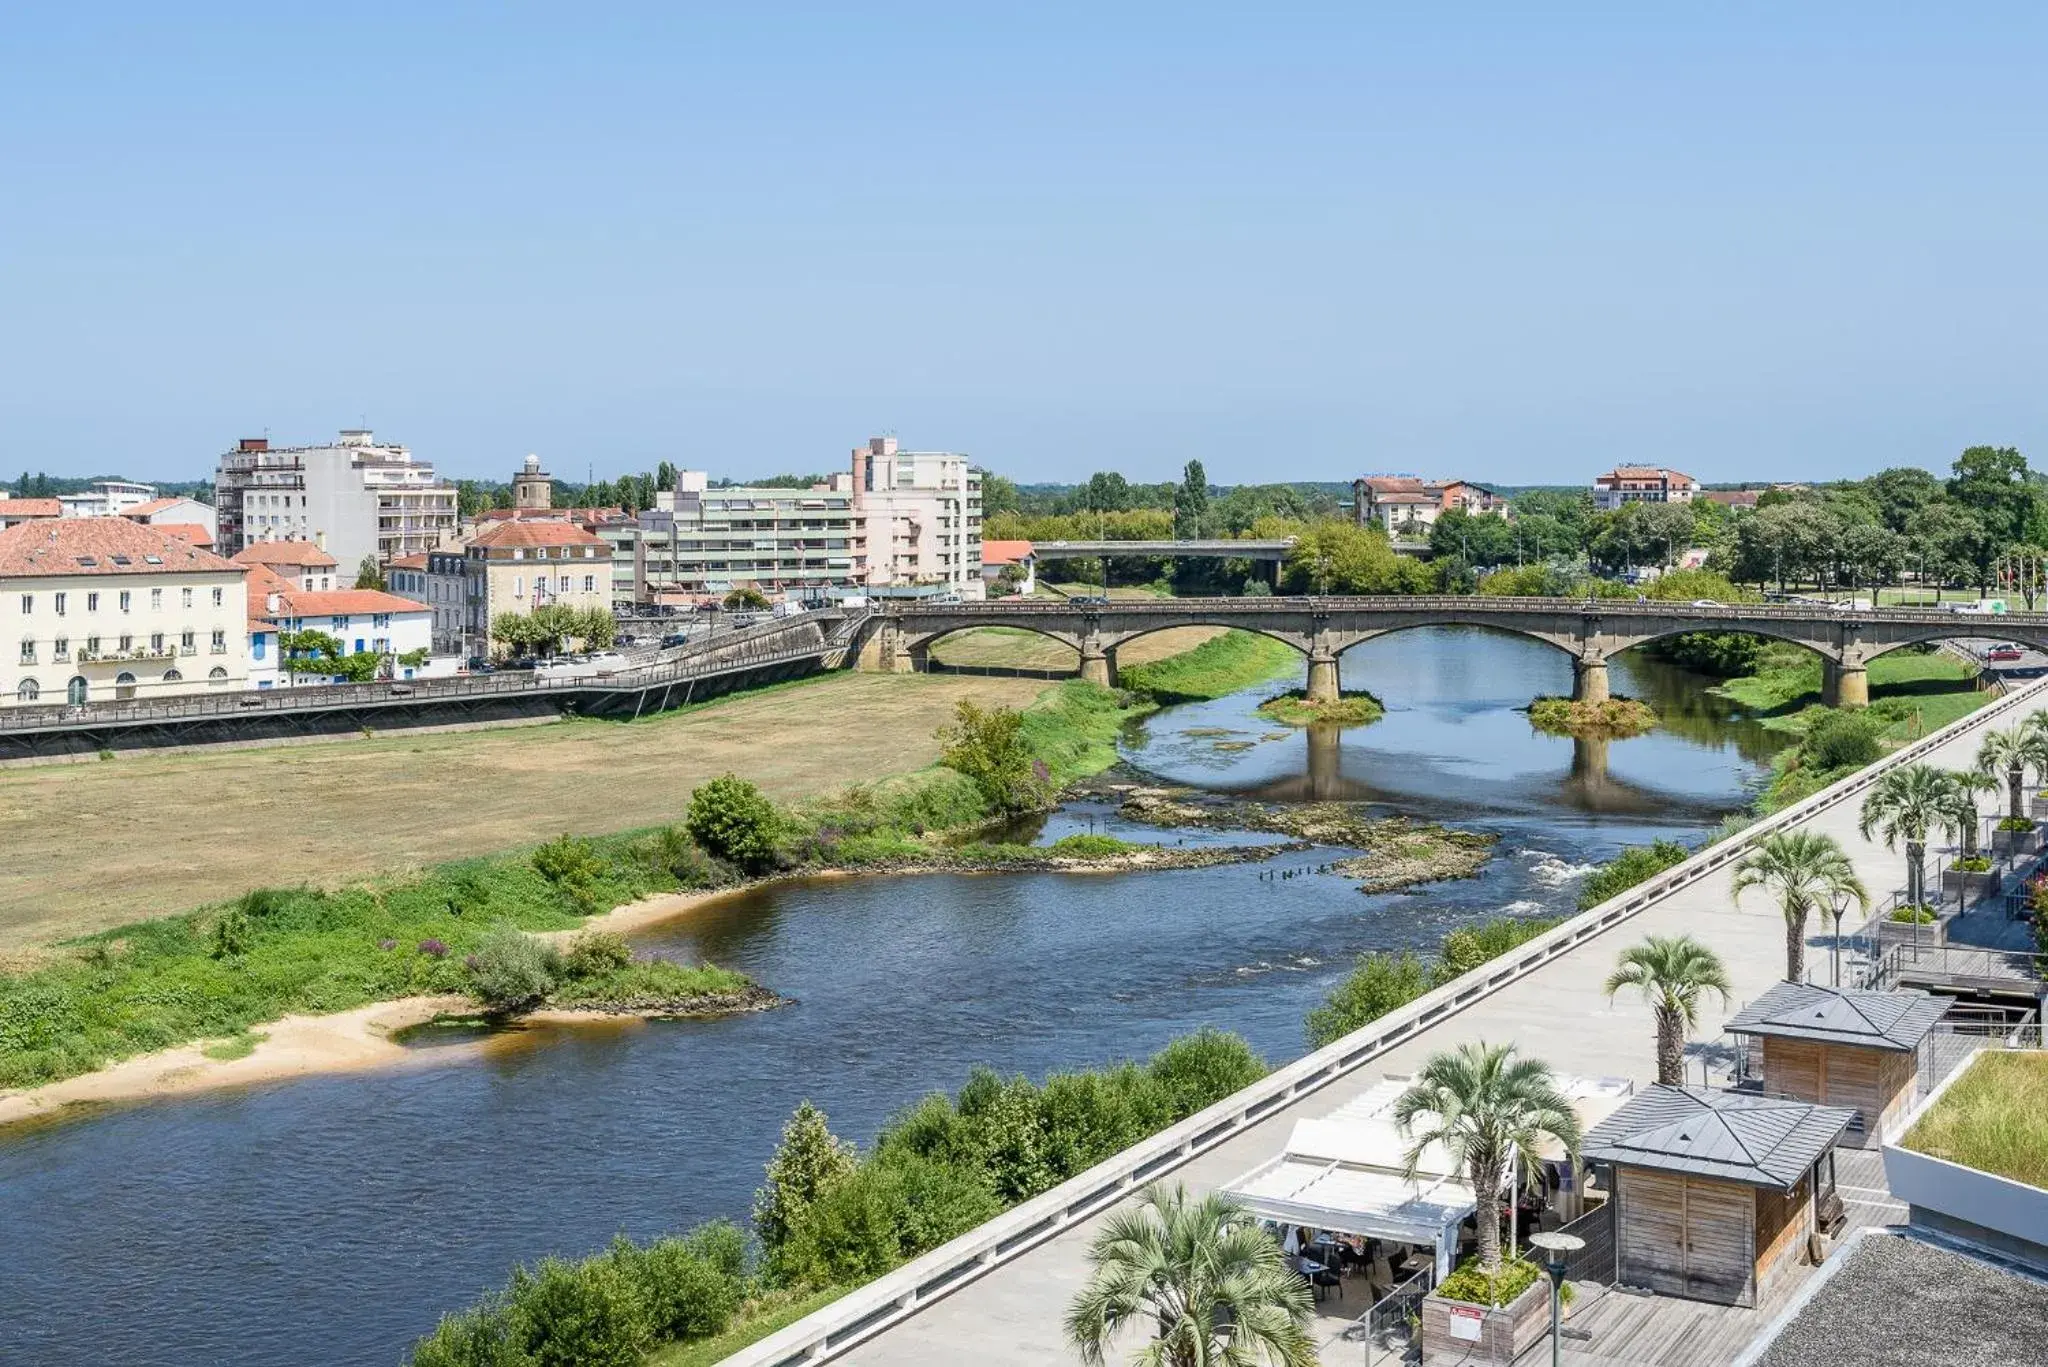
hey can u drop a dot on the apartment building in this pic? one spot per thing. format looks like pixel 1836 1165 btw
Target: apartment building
pixel 107 498
pixel 921 515
pixel 697 542
pixel 13 510
pixel 1410 504
pixel 1643 484
pixel 105 609
pixel 176 510
pixel 355 497
pixel 513 567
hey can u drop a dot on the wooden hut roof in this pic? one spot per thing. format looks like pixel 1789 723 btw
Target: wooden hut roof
pixel 1840 1015
pixel 1731 1136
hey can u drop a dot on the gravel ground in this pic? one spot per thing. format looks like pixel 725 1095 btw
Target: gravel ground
pixel 1900 1302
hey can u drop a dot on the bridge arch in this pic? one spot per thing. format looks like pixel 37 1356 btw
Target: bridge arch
pixel 1827 652
pixel 1983 628
pixel 1568 644
pixel 1112 643
pixel 920 646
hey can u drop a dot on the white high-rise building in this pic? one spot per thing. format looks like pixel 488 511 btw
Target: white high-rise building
pixel 107 498
pixel 922 514
pixel 354 498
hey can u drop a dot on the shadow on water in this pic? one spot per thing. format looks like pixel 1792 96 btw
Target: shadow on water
pixel 334 1219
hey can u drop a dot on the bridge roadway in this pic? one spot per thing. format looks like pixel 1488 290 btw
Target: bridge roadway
pixel 1275 550
pixel 1589 630
pixel 997 1296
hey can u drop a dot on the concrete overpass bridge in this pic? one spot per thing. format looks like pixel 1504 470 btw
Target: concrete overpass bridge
pixel 1322 629
pixel 1220 549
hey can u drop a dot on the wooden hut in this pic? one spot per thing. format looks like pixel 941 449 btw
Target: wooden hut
pixel 1714 1192
pixel 1843 1047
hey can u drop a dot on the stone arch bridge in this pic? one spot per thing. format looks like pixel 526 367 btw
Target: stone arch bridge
pixel 900 638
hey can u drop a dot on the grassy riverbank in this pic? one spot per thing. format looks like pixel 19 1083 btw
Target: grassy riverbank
pixel 1294 709
pixel 1221 665
pixel 1914 691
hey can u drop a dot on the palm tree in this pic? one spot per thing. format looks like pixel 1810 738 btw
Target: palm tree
pixel 1904 805
pixel 1491 1111
pixel 1673 972
pixel 1968 786
pixel 2008 752
pixel 1805 871
pixel 1213 1285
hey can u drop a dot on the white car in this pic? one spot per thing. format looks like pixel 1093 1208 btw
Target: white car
pixel 1705 603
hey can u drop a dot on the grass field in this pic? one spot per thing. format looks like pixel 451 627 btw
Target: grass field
pixel 1993 1118
pixel 102 844
pixel 1919 693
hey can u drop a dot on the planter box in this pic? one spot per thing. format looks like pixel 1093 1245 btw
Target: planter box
pixel 1984 1208
pixel 1455 1332
pixel 1891 933
pixel 2016 842
pixel 1973 885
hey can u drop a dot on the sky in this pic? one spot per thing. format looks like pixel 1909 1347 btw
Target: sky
pixel 1752 241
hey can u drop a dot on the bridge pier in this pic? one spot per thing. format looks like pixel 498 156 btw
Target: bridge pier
pixel 1844 685
pixel 1323 684
pixel 1589 679
pixel 1096 665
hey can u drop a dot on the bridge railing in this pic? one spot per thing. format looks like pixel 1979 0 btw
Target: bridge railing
pixel 1495 605
pixel 862 1314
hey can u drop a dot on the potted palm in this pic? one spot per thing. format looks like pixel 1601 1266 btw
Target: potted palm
pixel 1971 875
pixel 1903 807
pixel 1492 1111
pixel 2007 754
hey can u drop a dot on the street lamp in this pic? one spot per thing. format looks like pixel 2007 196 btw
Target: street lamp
pixel 1840 907
pixel 1556 1247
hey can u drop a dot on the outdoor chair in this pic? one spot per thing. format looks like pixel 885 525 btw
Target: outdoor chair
pixel 1381 1279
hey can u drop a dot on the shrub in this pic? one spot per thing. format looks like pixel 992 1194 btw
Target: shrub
pixel 596 954
pixel 232 933
pixel 568 860
pixel 671 853
pixel 1467 947
pixel 1920 914
pixel 809 1159
pixel 2015 823
pixel 1632 866
pixel 586 1314
pixel 746 598
pixel 730 818
pixel 1087 847
pixel 1976 863
pixel 1378 984
pixel 1201 1069
pixel 1837 740
pixel 690 1287
pixel 482 1337
pixel 851 1232
pixel 988 745
pixel 433 949
pixel 511 971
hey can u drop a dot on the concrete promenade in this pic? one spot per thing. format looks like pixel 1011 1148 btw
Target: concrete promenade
pixel 1013 1313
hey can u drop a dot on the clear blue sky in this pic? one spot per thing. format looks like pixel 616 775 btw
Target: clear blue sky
pixel 1298 243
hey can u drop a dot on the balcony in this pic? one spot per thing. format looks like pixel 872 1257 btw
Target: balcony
pixel 133 655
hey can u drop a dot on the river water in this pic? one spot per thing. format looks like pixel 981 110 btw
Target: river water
pixel 333 1219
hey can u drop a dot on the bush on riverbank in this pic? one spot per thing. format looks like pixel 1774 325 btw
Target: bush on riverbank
pixel 830 1217
pixel 1606 719
pixel 1294 709
pixel 1633 865
pixel 1380 983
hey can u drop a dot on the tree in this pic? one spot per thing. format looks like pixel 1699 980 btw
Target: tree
pixel 1672 972
pixel 809 1161
pixel 369 574
pixel 1208 1284
pixel 1106 492
pixel 1492 1111
pixel 595 627
pixel 746 598
pixel 2008 752
pixel 988 746
pixel 1342 557
pixel 1903 806
pixel 732 819
pixel 998 495
pixel 1190 502
pixel 1901 492
pixel 512 971
pixel 1965 787
pixel 1992 480
pixel 1805 871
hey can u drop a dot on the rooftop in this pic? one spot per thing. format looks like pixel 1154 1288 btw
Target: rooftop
pixel 30 507
pixel 1905 1302
pixel 1004 552
pixel 417 561
pixel 188 531
pixel 345 603
pixel 99 545
pixel 300 554
pixel 1647 472
pixel 1729 1136
pixel 154 506
pixel 1840 1015
pixel 527 534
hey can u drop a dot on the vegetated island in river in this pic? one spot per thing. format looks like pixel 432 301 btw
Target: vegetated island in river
pixel 1399 851
pixel 1607 719
pixel 1295 709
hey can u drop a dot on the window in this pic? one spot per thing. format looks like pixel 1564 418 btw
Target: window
pixel 340 623
pixel 518 586
pixel 28 604
pixel 92 602
pixel 124 600
pixel 220 643
pixel 216 597
pixel 380 619
pixel 185 642
pixel 28 691
pixel 127 644
pixel 590 583
pixel 92 645
pixel 156 600
pixel 216 674
pixel 124 686
pixel 75 692
pixel 173 676
pixel 28 650
pixel 186 598
pixel 60 604
pixel 156 643
pixel 60 648
pixel 256 645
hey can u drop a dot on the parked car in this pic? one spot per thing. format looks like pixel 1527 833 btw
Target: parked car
pixel 1097 600
pixel 2006 650
pixel 675 638
pixel 854 602
pixel 1705 603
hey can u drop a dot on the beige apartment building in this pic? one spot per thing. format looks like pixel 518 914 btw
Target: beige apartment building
pixel 99 609
pixel 921 515
pixel 513 567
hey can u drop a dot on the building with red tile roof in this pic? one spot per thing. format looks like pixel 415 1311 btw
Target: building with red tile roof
pixel 13 510
pixel 1643 484
pixel 313 567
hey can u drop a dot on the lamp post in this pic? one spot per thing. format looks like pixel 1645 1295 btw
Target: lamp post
pixel 1840 907
pixel 1556 1247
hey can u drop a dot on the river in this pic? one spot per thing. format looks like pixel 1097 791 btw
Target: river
pixel 333 1219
